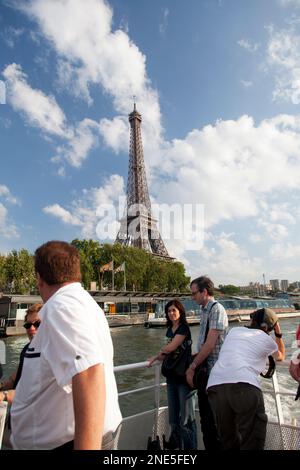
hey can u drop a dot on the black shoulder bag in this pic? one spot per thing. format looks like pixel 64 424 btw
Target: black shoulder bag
pixel 176 363
pixel 201 372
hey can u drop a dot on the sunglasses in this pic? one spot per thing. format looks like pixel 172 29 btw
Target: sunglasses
pixel 29 324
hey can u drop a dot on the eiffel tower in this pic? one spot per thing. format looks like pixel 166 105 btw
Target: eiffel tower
pixel 138 227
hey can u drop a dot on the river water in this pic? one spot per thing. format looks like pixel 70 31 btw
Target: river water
pixel 136 343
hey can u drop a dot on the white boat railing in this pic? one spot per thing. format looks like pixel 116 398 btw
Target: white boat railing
pixel 3 411
pixel 157 385
pixel 275 392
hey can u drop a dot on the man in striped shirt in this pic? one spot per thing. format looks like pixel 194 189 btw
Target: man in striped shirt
pixel 213 329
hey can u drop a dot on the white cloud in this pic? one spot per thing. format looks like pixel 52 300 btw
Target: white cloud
pixel 295 3
pixel 237 169
pixel 225 262
pixel 284 251
pixel 85 212
pixel 164 23
pixel 11 35
pixel 84 139
pixel 283 55
pixel 5 122
pixel 276 232
pixel 277 221
pixel 7 229
pixel 247 83
pixel 6 194
pixel 229 161
pixel 115 133
pixel 40 110
pixel 90 52
pixel 281 213
pixel 61 172
pixel 65 216
pixel 255 238
pixel 246 44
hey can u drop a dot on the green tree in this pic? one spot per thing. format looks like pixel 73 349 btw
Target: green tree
pixel 90 258
pixel 229 289
pixel 2 274
pixel 143 270
pixel 19 272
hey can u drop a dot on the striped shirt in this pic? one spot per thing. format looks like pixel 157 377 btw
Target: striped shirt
pixel 218 320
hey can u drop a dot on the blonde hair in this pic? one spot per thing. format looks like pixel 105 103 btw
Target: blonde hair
pixel 35 308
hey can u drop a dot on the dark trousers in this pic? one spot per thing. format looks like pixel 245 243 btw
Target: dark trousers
pixel 240 415
pixel 209 430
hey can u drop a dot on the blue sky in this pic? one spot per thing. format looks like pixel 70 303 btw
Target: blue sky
pixel 218 86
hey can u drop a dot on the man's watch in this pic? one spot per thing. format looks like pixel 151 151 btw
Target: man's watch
pixel 278 335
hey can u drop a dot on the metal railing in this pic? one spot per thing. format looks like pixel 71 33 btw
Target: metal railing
pixel 3 411
pixel 158 385
pixel 275 392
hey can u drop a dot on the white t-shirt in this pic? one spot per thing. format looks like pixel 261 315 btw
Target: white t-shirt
pixel 243 357
pixel 73 336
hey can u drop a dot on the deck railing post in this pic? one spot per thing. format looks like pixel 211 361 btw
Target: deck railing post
pixel 3 411
pixel 157 400
pixel 278 407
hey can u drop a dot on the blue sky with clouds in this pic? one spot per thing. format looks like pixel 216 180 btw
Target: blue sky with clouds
pixel 218 85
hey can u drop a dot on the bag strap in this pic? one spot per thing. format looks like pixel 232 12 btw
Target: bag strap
pixel 271 369
pixel 207 324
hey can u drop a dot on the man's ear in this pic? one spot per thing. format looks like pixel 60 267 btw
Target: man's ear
pixel 39 280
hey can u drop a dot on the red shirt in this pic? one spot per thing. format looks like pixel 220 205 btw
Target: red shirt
pixel 298 334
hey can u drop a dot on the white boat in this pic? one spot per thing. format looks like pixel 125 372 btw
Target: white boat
pixel 136 429
pixel 237 309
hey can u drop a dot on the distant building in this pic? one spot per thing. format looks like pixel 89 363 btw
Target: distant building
pixel 295 285
pixel 275 284
pixel 254 289
pixel 284 285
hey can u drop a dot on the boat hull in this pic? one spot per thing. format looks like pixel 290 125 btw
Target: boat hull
pixel 233 316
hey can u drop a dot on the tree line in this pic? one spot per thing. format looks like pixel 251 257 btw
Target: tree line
pixel 144 272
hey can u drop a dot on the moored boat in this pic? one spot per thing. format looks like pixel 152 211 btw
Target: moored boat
pixel 238 310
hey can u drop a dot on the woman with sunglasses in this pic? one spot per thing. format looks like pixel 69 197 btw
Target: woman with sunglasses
pixel 32 322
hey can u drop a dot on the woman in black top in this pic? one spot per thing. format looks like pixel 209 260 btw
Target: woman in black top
pixel 181 401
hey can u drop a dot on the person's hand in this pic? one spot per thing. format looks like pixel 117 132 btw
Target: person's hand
pixel 277 328
pixel 190 376
pixel 151 360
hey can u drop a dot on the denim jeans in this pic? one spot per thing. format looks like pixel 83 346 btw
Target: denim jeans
pixel 181 402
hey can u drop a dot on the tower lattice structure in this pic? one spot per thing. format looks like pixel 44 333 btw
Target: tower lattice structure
pixel 138 227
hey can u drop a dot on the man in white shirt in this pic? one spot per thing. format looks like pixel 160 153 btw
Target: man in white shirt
pixel 67 395
pixel 233 387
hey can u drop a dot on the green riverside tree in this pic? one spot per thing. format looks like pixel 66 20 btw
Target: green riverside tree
pixel 143 270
